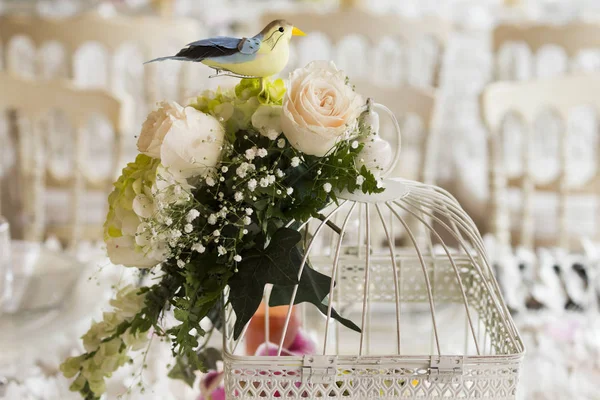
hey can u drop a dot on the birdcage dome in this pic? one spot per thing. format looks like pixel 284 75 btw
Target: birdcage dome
pixel 410 270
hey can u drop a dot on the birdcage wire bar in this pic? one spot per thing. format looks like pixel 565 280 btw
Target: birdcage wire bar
pixel 441 271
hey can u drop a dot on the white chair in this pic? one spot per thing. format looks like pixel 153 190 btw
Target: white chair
pixel 150 36
pixel 520 52
pixel 527 100
pixel 44 170
pixel 391 49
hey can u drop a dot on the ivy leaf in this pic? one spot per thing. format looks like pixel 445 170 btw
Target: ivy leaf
pixel 215 316
pixel 278 264
pixel 313 288
pixel 245 297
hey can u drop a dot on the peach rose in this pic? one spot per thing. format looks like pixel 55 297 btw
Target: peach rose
pixel 318 108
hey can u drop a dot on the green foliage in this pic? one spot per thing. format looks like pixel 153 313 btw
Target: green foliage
pixel 279 264
pixel 313 288
pixel 184 369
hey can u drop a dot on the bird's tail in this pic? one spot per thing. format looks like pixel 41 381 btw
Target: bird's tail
pixel 168 58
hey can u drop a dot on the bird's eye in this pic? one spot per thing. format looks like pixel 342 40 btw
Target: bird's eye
pixel 281 29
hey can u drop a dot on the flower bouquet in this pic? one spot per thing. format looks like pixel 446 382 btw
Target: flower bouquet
pixel 213 203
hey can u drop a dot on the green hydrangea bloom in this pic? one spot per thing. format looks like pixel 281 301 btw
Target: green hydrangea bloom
pixel 235 107
pixel 130 202
pixel 273 93
pixel 71 366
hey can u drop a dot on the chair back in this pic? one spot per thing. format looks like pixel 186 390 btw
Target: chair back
pixel 527 100
pixel 569 42
pixel 150 37
pixel 53 166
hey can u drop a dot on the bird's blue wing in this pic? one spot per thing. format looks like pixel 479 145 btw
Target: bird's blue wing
pixel 249 45
pixel 220 41
pixel 244 45
pixel 220 46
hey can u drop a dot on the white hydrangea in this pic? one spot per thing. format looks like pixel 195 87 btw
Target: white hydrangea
pixel 295 161
pixel 136 341
pixel 267 120
pixel 128 301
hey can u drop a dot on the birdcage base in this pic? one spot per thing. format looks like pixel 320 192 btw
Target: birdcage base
pixel 370 378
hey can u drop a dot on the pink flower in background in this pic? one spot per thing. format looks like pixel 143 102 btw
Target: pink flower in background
pixel 211 388
pixel 210 385
pixel 301 345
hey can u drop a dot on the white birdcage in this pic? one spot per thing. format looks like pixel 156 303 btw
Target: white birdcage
pixel 433 322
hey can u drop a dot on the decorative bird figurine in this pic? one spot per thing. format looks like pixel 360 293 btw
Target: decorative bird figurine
pixel 263 55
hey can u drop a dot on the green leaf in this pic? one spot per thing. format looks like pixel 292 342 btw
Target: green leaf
pixel 209 357
pixel 215 316
pixel 182 371
pixel 278 264
pixel 313 288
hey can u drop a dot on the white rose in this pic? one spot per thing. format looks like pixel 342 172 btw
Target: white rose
pixel 157 125
pixel 318 107
pixel 193 145
pixel 187 141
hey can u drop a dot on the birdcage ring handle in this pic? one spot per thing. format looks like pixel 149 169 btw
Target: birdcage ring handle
pixel 371 118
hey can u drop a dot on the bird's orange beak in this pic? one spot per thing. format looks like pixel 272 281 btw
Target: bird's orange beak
pixel 297 32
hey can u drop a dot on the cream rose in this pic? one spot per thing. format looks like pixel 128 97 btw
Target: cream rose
pixel 188 142
pixel 318 108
